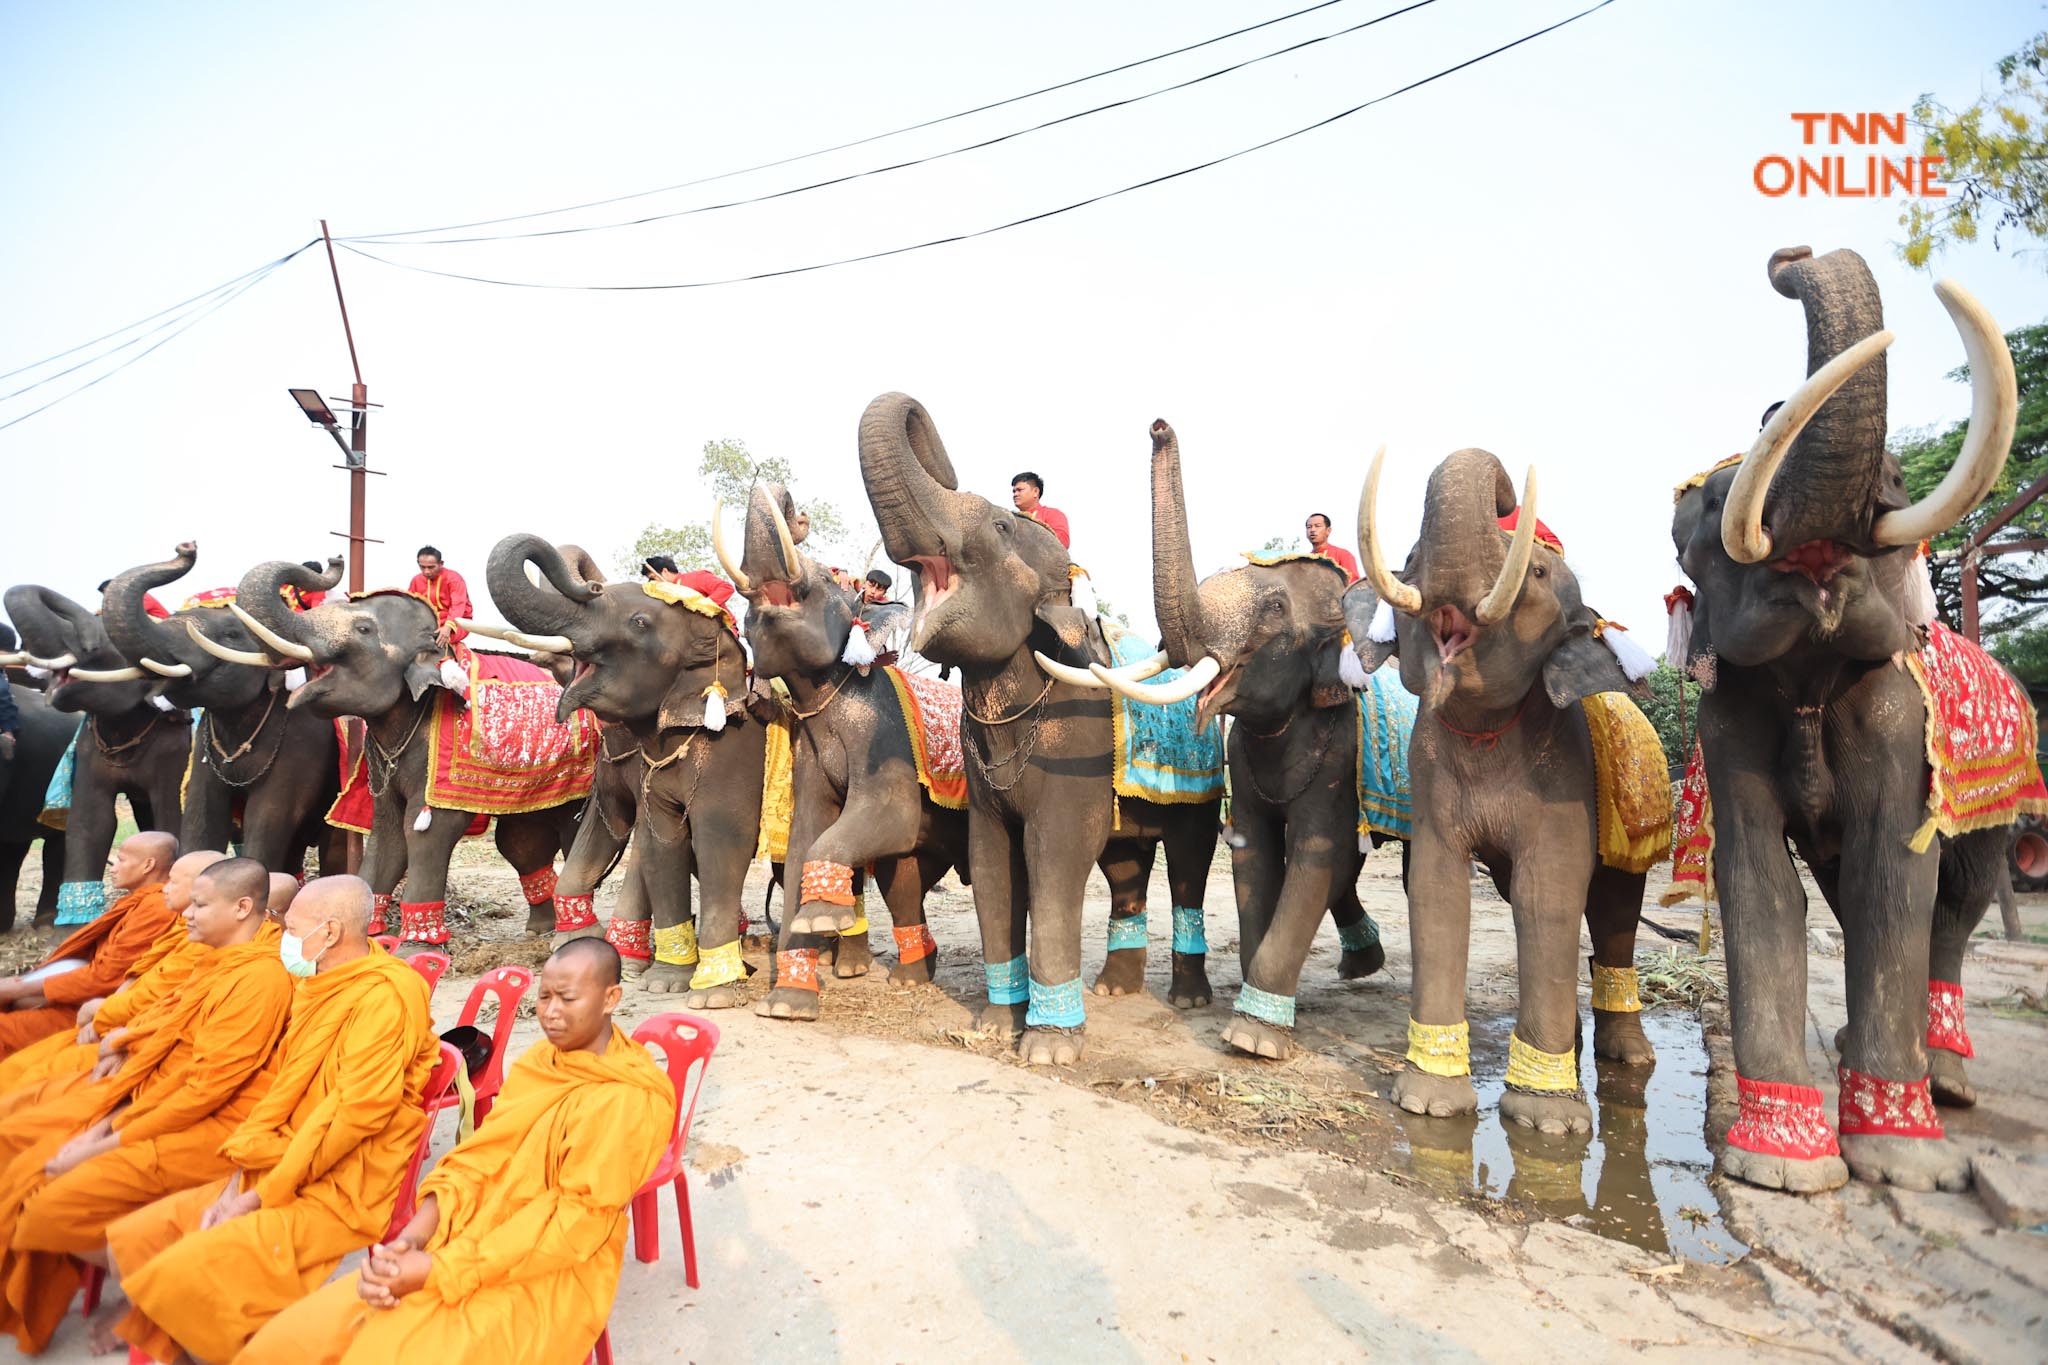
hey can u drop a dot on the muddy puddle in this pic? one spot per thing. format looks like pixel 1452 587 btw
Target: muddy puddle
pixel 1640 1178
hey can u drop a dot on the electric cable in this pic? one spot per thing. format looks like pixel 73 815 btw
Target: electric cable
pixel 1000 227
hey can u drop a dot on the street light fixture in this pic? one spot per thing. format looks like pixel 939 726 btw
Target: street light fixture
pixel 320 415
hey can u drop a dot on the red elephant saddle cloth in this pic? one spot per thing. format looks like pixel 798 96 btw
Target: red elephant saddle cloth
pixel 931 711
pixel 1981 739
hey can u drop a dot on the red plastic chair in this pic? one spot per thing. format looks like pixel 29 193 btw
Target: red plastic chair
pixel 686 1040
pixel 509 985
pixel 388 942
pixel 430 966
pixel 440 1082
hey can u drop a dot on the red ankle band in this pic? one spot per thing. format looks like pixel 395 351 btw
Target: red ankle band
pixel 915 943
pixel 1945 1028
pixel 1873 1105
pixel 633 938
pixel 1781 1120
pixel 420 922
pixel 574 912
pixel 538 886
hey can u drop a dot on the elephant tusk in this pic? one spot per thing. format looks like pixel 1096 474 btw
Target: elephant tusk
pixel 1742 518
pixel 791 565
pixel 167 670
pixel 1142 669
pixel 12 660
pixel 56 665
pixel 1067 673
pixel 1500 600
pixel 1401 596
pixel 226 654
pixel 539 644
pixel 1994 414
pixel 106 675
pixel 725 561
pixel 271 639
pixel 1162 694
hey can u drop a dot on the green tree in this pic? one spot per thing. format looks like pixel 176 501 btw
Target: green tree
pixel 2025 652
pixel 2014 587
pixel 1995 161
pixel 1676 722
pixel 731 471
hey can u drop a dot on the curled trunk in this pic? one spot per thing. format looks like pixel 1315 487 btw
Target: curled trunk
pixel 547 608
pixel 909 478
pixel 1174 597
pixel 258 595
pixel 1833 484
pixel 1460 549
pixel 133 630
pixel 51 624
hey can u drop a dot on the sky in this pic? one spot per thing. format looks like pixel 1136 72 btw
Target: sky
pixel 1557 255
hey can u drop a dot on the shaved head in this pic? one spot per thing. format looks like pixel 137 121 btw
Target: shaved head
pixel 198 860
pixel 158 846
pixel 579 989
pixel 330 917
pixel 601 957
pixel 178 885
pixel 143 860
pixel 283 886
pixel 239 879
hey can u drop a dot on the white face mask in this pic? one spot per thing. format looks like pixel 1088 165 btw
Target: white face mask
pixel 291 950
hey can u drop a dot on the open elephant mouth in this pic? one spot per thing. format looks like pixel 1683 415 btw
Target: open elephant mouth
pixel 936 583
pixel 316 673
pixel 1216 696
pixel 1452 631
pixel 1819 561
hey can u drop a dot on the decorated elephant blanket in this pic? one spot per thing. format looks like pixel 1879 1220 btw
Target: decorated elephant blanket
pixel 502 753
pixel 57 796
pixel 931 710
pixel 1632 782
pixel 1981 742
pixel 1158 753
pixel 778 784
pixel 1386 718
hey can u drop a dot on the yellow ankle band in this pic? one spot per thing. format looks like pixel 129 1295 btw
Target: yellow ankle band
pixel 1614 990
pixel 1440 1049
pixel 717 966
pixel 1532 1068
pixel 676 945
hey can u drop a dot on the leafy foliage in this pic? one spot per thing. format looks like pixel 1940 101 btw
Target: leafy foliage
pixel 2013 588
pixel 2025 652
pixel 1996 163
pixel 731 471
pixel 1662 706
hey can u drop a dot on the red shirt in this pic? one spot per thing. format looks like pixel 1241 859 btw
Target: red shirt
pixel 1053 520
pixel 1343 559
pixel 447 594
pixel 708 583
pixel 154 607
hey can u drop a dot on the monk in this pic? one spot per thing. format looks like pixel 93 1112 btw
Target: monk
pixel 283 887
pixel 514 1254
pixel 317 1163
pixel 152 976
pixel 107 947
pixel 156 1125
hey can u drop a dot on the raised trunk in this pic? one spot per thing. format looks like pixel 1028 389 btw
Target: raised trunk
pixel 51 624
pixel 1174 598
pixel 1460 551
pixel 761 551
pixel 133 630
pixel 550 610
pixel 258 594
pixel 909 478
pixel 1833 484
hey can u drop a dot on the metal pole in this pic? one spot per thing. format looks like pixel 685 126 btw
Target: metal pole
pixel 359 430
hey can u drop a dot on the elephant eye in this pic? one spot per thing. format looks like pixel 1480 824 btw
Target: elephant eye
pixel 364 628
pixel 639 620
pixel 1538 571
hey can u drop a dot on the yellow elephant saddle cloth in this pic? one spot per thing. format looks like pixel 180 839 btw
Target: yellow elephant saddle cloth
pixel 778 784
pixel 1632 783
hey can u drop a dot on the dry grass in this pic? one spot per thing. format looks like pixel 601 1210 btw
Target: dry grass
pixel 1676 977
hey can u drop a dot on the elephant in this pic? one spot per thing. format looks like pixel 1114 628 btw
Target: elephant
pixel 992 594
pixel 375 657
pixel 24 781
pixel 132 742
pixel 858 798
pixel 664 666
pixel 1496 642
pixel 260 773
pixel 1272 633
pixel 1815 726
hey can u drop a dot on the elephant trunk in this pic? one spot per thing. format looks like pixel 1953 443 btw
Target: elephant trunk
pixel 769 554
pixel 51 624
pixel 530 606
pixel 260 603
pixel 1175 600
pixel 1461 555
pixel 909 478
pixel 136 633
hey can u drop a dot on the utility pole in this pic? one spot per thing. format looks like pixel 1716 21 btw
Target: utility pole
pixel 358 455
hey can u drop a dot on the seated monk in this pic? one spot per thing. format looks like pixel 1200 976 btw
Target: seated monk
pixel 317 1163
pixel 514 1255
pixel 106 948
pixel 152 976
pixel 283 887
pixel 74 1165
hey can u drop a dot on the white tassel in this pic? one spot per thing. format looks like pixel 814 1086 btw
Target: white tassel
pixel 423 819
pixel 1351 670
pixel 714 707
pixel 1381 632
pixel 1920 608
pixel 1081 591
pixel 160 704
pixel 454 677
pixel 1365 843
pixel 37 673
pixel 1678 644
pixel 1636 663
pixel 294 679
pixel 860 651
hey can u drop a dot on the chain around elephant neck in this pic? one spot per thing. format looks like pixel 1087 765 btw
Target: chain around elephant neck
pixel 651 766
pixel 1021 754
pixel 830 693
pixel 1322 753
pixel 389 757
pixel 220 760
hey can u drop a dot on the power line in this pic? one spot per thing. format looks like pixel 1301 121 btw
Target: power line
pixel 376 237
pixel 1013 223
pixel 923 160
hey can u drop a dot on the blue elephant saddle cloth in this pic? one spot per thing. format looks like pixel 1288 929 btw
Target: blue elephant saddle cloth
pixel 1386 718
pixel 1159 754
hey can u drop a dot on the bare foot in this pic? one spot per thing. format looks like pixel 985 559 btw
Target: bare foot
pixel 99 1333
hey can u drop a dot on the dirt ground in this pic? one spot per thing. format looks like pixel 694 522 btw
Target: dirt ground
pixel 887 1184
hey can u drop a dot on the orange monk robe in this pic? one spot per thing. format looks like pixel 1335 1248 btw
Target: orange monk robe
pixel 188 1083
pixel 108 946
pixel 532 1229
pixel 325 1149
pixel 154 975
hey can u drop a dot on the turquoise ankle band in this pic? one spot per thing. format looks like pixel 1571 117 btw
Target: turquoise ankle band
pixel 1006 981
pixel 1273 1009
pixel 1354 937
pixel 1128 932
pixel 1055 1006
pixel 81 902
pixel 1187 930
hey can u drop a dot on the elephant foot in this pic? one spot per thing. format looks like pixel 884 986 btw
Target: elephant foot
pixel 851 957
pixel 1795 1175
pixel 919 973
pixel 1000 1021
pixel 631 969
pixel 547 927
pixel 44 920
pixel 1948 1080
pixel 1354 964
pixel 1924 1164
pixel 1123 973
pixel 1257 1038
pixel 788 1002
pixel 1190 989
pixel 1547 1112
pixel 1050 1046
pixel 666 978
pixel 730 996
pixel 540 919
pixel 1443 1097
pixel 820 917
pixel 1619 1037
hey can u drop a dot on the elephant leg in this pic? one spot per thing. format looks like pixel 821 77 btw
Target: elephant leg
pixel 1360 952
pixel 722 839
pixel 1056 1021
pixel 529 842
pixel 384 861
pixel 902 883
pixel 1614 904
pixel 1971 869
pixel 422 914
pixel 794 992
pixel 1438 1077
pixel 1190 849
pixel 11 857
pixel 1262 1022
pixel 1258 866
pixel 657 883
pixel 1127 865
pixel 1001 881
pixel 851 953
pixel 88 839
pixel 166 797
pixel 207 819
pixel 1543 1088
pixel 53 876
pixel 594 850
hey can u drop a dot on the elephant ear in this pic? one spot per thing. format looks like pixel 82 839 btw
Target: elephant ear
pixel 1068 624
pixel 1327 686
pixel 1361 609
pixel 424 671
pixel 1581 666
